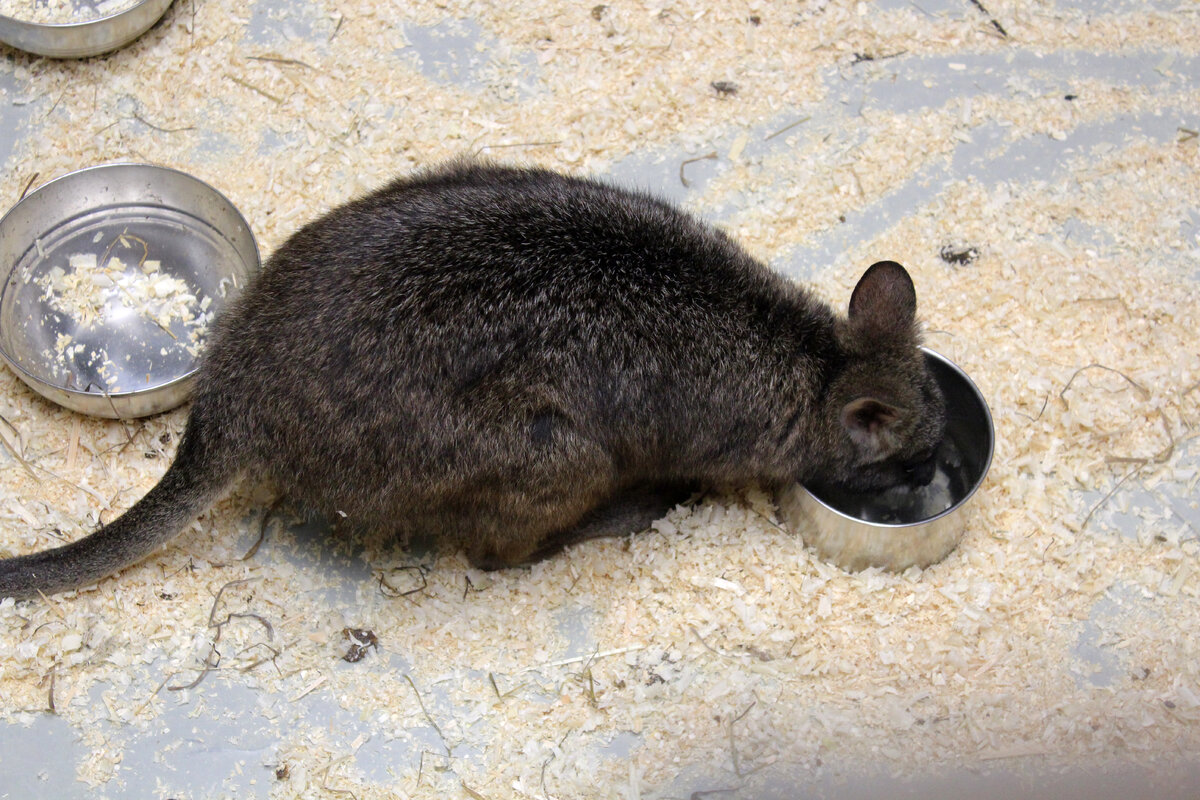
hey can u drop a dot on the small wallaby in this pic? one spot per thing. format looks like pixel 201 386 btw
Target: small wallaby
pixel 511 360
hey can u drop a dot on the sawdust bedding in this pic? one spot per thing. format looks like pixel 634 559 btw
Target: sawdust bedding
pixel 726 650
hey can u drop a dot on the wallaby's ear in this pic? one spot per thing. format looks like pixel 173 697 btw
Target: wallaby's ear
pixel 870 422
pixel 885 298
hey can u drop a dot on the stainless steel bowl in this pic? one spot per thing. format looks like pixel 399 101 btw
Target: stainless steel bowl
pixel 904 527
pixel 82 39
pixel 111 275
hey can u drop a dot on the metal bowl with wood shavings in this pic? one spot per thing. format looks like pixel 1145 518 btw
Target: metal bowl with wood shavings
pixel 111 278
pixel 98 31
pixel 904 527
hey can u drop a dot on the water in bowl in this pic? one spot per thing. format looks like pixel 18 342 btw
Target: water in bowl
pixel 903 505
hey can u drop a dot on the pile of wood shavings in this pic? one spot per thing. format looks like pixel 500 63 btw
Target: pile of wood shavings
pixel 721 649
pixel 92 291
pixel 85 292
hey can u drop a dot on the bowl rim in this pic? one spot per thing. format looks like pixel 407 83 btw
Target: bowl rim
pixel 987 461
pixel 6 273
pixel 58 26
pixel 78 39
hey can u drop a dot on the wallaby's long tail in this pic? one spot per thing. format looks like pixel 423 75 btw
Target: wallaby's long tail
pixel 198 476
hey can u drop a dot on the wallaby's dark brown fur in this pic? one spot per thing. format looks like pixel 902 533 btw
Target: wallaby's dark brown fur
pixel 510 360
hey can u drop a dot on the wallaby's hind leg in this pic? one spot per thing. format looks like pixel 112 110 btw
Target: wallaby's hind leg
pixel 626 512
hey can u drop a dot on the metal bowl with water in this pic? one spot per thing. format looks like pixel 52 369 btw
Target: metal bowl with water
pixel 88 37
pixel 905 527
pixel 111 276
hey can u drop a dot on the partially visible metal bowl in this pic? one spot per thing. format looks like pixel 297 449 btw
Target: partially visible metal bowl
pixel 905 527
pixel 111 275
pixel 90 37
